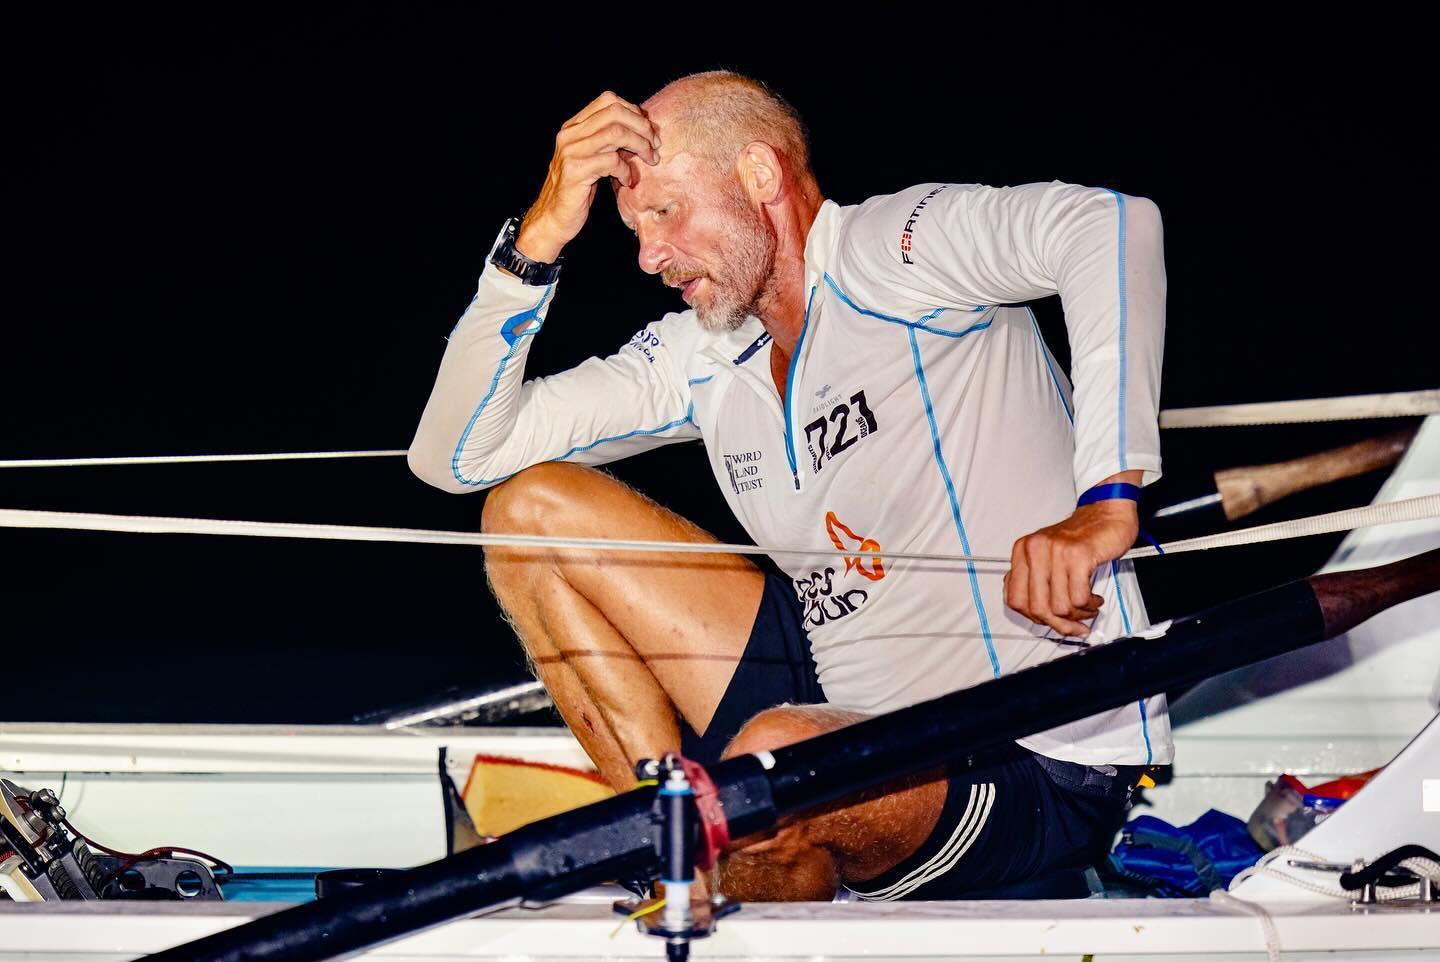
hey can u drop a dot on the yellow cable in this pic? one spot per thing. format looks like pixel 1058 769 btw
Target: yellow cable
pixel 657 906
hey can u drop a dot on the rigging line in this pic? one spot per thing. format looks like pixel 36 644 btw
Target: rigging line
pixel 197 458
pixel 1402 404
pixel 1393 512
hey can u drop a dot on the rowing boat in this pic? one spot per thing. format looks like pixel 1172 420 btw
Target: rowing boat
pixel 295 799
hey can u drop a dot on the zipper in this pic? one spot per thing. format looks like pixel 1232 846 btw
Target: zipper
pixel 790 390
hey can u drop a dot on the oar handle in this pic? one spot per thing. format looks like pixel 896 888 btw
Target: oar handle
pixel 1245 490
pixel 1347 598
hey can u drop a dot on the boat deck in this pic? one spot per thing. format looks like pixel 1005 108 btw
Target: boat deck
pixel 581 928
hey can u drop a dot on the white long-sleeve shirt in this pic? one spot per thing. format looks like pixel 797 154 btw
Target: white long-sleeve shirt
pixel 920 416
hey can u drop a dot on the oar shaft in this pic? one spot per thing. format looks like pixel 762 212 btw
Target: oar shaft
pixel 616 837
pixel 1066 689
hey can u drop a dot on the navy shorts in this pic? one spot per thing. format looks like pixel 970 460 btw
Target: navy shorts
pixel 776 669
pixel 1014 825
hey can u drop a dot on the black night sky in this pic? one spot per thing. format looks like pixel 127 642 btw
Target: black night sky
pixel 247 229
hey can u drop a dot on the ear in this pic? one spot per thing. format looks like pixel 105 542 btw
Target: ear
pixel 760 169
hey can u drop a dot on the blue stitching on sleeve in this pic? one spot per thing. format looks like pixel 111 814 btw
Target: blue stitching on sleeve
pixel 1124 320
pixel 580 449
pixel 913 325
pixel 511 337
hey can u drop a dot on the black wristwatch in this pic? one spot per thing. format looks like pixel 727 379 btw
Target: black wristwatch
pixel 504 255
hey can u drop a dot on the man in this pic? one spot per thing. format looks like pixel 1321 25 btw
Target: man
pixel 857 388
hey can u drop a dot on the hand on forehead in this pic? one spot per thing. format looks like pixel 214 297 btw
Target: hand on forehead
pixel 670 139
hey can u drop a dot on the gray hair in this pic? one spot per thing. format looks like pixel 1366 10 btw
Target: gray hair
pixel 718 112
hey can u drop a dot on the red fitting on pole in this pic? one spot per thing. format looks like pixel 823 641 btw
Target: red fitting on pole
pixel 714 827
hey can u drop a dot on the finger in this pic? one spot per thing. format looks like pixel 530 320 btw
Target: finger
pixel 606 100
pixel 1038 555
pixel 611 138
pixel 1017 591
pixel 1062 573
pixel 1067 627
pixel 595 169
pixel 1082 576
pixel 613 115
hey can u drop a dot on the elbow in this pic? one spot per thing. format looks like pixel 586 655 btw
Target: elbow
pixel 432 468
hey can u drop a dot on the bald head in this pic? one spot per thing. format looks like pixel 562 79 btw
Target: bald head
pixel 716 114
pixel 724 213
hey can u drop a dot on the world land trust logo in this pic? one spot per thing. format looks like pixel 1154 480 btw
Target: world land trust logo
pixel 744 471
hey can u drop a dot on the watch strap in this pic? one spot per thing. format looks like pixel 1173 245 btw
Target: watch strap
pixel 505 255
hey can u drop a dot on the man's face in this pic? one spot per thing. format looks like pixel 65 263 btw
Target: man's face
pixel 698 231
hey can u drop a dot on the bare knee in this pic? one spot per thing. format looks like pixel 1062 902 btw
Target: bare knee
pixel 537 500
pixel 785 725
pixel 792 861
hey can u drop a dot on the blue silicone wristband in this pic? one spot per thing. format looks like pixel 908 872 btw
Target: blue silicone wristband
pixel 1106 492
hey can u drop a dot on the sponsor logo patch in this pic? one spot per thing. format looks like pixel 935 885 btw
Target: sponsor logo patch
pixel 838 429
pixel 645 341
pixel 907 235
pixel 744 471
pixel 842 537
pixel 824 600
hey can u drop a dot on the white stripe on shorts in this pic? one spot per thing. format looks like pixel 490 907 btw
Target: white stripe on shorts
pixel 967 830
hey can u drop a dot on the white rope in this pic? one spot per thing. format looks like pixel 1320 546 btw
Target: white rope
pixel 1404 404
pixel 1267 866
pixel 18 518
pixel 197 459
pixel 1331 889
pixel 1388 513
pixel 1397 405
pixel 1268 929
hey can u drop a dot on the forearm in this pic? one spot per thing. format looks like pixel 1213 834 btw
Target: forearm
pixel 475 401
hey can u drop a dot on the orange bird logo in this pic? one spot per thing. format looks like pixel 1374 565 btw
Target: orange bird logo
pixel 835 528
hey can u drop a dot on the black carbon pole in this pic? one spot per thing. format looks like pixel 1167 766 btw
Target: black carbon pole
pixel 618 837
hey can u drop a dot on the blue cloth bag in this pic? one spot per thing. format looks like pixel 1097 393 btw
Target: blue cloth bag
pixel 1186 862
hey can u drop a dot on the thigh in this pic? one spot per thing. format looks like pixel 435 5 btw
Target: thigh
pixel 776 668
pixel 687 616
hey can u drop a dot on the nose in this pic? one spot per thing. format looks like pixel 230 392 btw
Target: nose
pixel 655 251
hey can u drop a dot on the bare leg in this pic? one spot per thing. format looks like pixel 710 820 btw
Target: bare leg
pixel 806 857
pixel 622 640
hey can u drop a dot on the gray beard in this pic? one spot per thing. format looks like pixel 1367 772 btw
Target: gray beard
pixel 736 297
